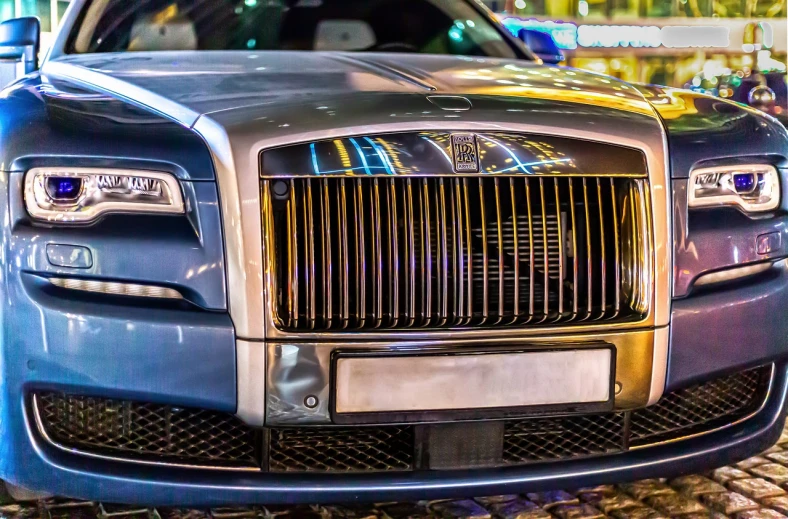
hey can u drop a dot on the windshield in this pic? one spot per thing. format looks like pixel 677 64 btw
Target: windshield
pixel 416 26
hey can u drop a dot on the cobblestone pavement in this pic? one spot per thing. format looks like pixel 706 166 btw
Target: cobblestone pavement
pixel 755 488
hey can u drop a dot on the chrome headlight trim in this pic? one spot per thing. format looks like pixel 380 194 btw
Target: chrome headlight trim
pixel 98 197
pixel 715 187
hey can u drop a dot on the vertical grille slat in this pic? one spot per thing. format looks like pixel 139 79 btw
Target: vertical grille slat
pixel 617 263
pixel 560 252
pixel 603 270
pixel 344 254
pixel 516 244
pixel 532 255
pixel 545 252
pixel 469 252
pixel 370 253
pixel 410 226
pixel 328 282
pixel 377 285
pixel 292 254
pixel 457 252
pixel 361 263
pixel 310 225
pixel 501 268
pixel 394 253
pixel 589 253
pixel 575 257
pixel 426 256
pixel 485 256
pixel 443 291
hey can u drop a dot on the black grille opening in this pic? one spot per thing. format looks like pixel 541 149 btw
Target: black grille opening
pixel 374 449
pixel 551 439
pixel 700 407
pixel 370 253
pixel 150 432
pixel 147 431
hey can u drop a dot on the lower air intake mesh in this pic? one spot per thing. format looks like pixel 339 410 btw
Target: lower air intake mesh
pixel 377 449
pixel 147 431
pixel 691 410
pixel 158 433
pixel 547 439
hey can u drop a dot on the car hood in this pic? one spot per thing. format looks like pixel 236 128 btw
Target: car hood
pixel 198 83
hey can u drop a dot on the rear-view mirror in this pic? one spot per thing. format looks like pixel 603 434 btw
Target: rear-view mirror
pixel 20 38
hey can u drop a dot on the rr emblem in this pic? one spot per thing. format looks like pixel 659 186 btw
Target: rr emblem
pixel 466 153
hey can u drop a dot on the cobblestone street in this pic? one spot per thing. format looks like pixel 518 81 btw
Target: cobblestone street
pixel 754 488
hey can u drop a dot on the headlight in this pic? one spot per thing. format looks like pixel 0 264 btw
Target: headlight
pixel 754 187
pixel 83 194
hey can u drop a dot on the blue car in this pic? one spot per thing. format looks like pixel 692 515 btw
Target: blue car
pixel 368 250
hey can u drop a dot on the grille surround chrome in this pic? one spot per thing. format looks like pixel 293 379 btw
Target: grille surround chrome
pixel 256 298
pixel 376 207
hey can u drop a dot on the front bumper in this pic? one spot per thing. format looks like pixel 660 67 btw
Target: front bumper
pixel 108 481
pixel 78 363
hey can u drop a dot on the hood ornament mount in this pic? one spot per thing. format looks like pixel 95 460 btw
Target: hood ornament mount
pixel 451 103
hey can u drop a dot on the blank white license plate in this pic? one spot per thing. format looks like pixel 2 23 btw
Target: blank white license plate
pixel 480 381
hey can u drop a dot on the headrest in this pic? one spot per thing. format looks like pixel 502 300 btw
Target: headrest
pixel 344 35
pixel 173 34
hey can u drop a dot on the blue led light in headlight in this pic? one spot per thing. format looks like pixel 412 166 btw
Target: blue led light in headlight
pixel 744 182
pixel 64 188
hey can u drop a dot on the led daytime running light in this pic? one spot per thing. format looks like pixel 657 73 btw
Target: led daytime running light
pixel 116 289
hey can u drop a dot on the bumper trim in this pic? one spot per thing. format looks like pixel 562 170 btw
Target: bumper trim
pixel 659 365
pixel 251 377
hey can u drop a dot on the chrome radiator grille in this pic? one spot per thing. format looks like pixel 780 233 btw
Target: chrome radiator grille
pixel 394 253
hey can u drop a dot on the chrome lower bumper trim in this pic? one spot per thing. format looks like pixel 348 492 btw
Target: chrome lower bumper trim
pixel 251 376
